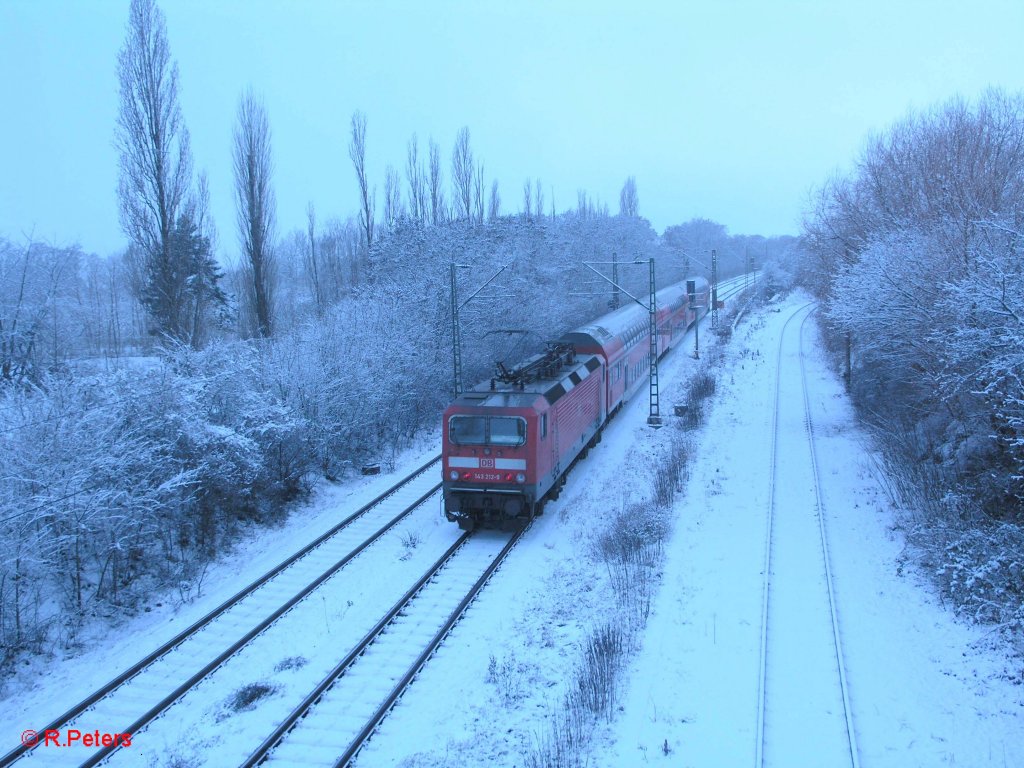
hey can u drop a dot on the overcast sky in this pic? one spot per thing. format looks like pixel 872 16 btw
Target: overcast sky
pixel 727 109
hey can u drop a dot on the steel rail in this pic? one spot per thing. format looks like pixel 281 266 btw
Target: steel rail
pixel 809 426
pixel 193 629
pixel 410 675
pixel 181 690
pixel 766 580
pixel 263 751
pixel 190 683
pixel 765 605
pixel 133 671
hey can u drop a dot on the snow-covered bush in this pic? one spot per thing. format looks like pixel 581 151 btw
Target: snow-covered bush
pixel 248 697
pixel 120 482
pixel 597 682
pixel 507 678
pixel 983 574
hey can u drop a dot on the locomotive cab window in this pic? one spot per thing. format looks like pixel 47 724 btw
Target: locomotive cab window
pixel 487 430
pixel 506 430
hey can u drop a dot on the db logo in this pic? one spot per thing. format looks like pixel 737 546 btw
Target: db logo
pixel 487 463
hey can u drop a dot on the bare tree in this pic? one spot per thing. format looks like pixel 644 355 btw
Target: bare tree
pixel 538 199
pixel 924 239
pixel 629 203
pixel 494 204
pixel 583 205
pixel 33 298
pixel 393 210
pixel 436 193
pixel 254 201
pixel 528 199
pixel 155 166
pixel 357 152
pixel 414 175
pixel 478 194
pixel 312 263
pixel 462 176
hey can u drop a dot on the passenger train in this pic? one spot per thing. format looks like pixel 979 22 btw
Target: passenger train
pixel 509 442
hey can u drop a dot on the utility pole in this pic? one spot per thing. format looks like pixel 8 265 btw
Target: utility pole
pixel 691 291
pixel 456 329
pixel 696 331
pixel 616 293
pixel 714 288
pixel 654 415
pixel 456 334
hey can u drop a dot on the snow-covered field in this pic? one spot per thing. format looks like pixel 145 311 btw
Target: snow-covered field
pixel 924 688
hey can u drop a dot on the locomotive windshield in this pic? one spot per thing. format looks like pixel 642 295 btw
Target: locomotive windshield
pixel 487 430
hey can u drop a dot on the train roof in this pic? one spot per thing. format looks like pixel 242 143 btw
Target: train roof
pixel 632 316
pixel 524 394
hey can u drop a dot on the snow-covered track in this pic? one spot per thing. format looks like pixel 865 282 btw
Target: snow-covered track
pixel 803 705
pixel 142 692
pixel 826 560
pixel 339 716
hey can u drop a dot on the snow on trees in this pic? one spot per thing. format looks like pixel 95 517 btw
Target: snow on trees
pixel 255 207
pixel 161 214
pixel 918 255
pixel 921 252
pixel 629 201
pixel 367 197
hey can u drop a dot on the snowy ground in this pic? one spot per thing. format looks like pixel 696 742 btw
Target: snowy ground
pixel 925 689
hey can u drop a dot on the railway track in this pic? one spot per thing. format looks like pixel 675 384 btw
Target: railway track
pixel 803 705
pixel 733 287
pixel 339 716
pixel 141 693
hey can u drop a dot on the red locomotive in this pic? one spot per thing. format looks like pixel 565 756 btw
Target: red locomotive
pixel 509 442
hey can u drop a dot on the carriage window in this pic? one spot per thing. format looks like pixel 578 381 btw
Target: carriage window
pixel 487 430
pixel 543 426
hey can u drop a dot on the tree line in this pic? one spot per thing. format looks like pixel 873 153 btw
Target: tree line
pixel 917 258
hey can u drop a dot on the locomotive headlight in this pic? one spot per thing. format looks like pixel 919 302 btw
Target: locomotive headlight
pixel 520 478
pixel 454 474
